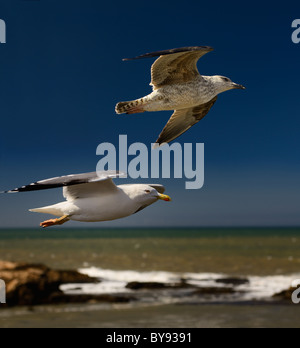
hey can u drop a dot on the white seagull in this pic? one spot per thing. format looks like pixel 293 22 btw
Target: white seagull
pixel 178 85
pixel 94 197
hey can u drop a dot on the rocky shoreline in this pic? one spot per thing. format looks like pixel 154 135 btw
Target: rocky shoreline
pixel 36 284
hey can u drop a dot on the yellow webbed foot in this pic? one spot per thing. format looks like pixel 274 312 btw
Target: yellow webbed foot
pixel 54 222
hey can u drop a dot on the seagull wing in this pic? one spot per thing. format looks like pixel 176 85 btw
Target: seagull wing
pixel 73 181
pixel 182 120
pixel 91 189
pixel 175 66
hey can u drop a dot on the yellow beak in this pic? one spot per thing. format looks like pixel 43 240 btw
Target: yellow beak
pixel 164 198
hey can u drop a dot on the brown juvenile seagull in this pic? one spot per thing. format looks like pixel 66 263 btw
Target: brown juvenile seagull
pixel 177 85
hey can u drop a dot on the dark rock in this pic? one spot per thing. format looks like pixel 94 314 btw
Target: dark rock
pixel 32 284
pixel 157 286
pixel 285 295
pixel 233 281
pixel 214 291
pixel 146 285
pixel 68 277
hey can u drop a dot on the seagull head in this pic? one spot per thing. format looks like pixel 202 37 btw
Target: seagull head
pixel 146 194
pixel 223 84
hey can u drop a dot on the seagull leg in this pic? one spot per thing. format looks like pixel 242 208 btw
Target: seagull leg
pixel 54 222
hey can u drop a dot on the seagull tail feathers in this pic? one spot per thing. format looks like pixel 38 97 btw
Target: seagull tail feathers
pixel 131 107
pixel 52 210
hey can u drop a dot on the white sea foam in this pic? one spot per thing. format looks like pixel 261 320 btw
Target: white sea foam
pixel 114 282
pixel 261 288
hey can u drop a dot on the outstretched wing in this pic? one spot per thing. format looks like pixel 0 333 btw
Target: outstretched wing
pixel 70 181
pixel 183 120
pixel 175 66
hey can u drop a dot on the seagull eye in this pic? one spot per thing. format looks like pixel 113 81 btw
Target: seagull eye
pixel 148 191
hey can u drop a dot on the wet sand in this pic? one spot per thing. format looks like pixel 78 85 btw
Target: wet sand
pixel 169 316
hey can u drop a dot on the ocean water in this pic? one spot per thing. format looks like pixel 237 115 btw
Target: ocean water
pixel 269 258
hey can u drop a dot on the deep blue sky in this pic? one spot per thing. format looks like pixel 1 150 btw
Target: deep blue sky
pixel 62 74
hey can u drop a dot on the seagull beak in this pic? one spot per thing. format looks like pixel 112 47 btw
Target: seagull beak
pixel 164 198
pixel 237 86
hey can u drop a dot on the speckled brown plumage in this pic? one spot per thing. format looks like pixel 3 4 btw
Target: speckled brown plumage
pixel 178 85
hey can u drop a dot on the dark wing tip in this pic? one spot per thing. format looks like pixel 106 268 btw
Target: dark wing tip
pixel 68 180
pixel 16 190
pixel 172 51
pixel 162 140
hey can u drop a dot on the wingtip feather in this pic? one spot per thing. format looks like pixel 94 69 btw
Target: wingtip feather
pixel 10 191
pixel 171 51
